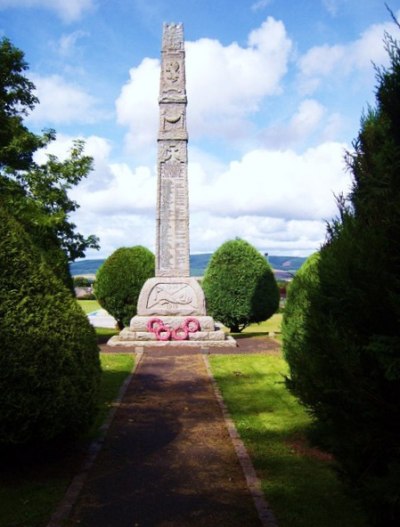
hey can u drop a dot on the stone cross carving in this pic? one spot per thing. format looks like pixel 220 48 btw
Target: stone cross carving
pixel 172 238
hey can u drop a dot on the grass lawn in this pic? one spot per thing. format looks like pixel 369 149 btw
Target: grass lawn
pixel 272 325
pixel 299 481
pixel 89 306
pixel 33 481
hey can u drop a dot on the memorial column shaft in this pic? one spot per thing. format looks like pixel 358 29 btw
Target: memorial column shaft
pixel 172 236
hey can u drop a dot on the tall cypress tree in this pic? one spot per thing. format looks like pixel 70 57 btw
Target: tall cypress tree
pixel 347 371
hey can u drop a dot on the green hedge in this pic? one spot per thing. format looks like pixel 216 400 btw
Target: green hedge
pixel 239 286
pixel 49 359
pixel 120 279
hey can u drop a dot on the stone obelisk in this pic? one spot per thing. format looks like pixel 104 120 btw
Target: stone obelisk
pixel 172 241
pixel 172 291
pixel 172 295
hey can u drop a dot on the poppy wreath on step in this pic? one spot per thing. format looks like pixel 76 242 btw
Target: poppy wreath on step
pixel 180 333
pixel 163 333
pixel 192 325
pixel 153 324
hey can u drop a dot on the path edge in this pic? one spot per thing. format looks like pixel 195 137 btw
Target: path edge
pixel 64 508
pixel 253 482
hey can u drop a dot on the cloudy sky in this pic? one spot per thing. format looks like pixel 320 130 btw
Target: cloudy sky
pixel 276 89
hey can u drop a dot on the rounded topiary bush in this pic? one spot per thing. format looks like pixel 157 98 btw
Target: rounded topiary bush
pixel 49 359
pixel 295 325
pixel 120 279
pixel 239 286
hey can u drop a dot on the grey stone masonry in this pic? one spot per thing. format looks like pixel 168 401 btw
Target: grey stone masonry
pixel 172 239
pixel 172 297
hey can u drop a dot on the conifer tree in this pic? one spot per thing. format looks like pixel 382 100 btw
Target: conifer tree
pixel 346 369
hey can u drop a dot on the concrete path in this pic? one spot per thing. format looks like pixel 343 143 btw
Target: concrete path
pixel 102 319
pixel 168 460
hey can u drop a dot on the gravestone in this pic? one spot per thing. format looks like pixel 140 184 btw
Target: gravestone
pixel 172 299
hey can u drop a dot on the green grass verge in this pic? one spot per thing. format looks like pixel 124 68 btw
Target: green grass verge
pixel 31 485
pixel 299 482
pixel 89 306
pixel 273 324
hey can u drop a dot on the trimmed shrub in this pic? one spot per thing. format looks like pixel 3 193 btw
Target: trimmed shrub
pixel 239 286
pixel 294 325
pixel 49 359
pixel 82 281
pixel 120 279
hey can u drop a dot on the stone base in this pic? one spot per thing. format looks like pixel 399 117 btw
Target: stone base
pixel 139 323
pixel 229 342
pixel 138 334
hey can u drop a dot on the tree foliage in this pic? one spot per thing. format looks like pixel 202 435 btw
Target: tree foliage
pixel 37 194
pixel 345 367
pixel 239 286
pixel 120 279
pixel 49 360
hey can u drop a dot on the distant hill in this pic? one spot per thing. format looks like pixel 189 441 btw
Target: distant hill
pixel 284 266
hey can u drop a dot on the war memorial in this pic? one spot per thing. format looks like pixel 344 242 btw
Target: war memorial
pixel 171 309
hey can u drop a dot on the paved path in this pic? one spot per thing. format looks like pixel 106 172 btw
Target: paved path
pixel 168 460
pixel 101 319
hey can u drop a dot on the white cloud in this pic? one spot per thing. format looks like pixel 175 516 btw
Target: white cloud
pixel 260 5
pixel 272 235
pixel 67 10
pixel 128 192
pixel 277 200
pixel 97 147
pixel 137 106
pixel 342 60
pixel 67 43
pixel 63 103
pixel 280 184
pixel 225 85
pixel 303 123
pixel 332 6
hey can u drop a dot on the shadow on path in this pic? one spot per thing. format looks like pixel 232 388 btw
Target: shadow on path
pixel 167 460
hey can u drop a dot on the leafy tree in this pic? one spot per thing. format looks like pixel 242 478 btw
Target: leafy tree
pixel 37 194
pixel 17 143
pixel 120 279
pixel 49 359
pixel 239 286
pixel 346 368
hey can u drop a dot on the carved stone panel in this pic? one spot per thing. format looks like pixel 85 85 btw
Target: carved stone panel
pixel 172 152
pixel 171 296
pixel 172 37
pixel 172 122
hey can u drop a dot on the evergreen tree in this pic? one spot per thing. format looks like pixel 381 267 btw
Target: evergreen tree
pixel 347 367
pixel 49 359
pixel 239 286
pixel 120 279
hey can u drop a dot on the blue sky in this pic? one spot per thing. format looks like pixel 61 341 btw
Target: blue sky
pixel 276 89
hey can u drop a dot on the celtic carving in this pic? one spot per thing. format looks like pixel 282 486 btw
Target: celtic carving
pixel 172 71
pixel 173 152
pixel 172 118
pixel 171 297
